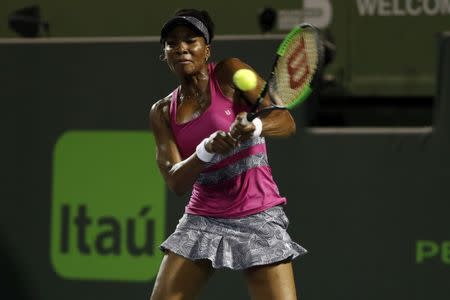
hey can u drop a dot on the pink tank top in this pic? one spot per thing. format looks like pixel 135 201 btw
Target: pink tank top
pixel 234 185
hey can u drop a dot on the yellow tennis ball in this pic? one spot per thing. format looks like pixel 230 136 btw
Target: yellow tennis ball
pixel 245 79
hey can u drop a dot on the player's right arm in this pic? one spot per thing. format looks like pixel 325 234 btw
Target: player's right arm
pixel 180 175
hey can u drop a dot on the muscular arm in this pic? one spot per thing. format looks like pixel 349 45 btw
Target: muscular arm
pixel 276 123
pixel 179 174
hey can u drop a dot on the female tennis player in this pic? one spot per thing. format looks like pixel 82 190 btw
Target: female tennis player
pixel 234 218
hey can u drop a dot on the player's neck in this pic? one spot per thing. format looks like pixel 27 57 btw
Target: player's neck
pixel 195 86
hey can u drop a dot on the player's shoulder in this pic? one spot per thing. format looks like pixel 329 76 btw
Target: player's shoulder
pixel 162 102
pixel 161 107
pixel 230 64
pixel 227 67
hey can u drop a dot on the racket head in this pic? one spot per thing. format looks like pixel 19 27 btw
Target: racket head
pixel 297 68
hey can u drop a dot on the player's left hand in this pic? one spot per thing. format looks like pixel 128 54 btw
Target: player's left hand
pixel 241 129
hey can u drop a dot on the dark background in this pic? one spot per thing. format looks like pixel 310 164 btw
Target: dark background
pixel 359 198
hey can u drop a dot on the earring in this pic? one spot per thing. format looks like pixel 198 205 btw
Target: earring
pixel 162 57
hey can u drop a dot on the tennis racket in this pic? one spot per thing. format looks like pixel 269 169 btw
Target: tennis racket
pixel 295 72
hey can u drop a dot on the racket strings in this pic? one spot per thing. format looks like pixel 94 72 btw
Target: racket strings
pixel 295 69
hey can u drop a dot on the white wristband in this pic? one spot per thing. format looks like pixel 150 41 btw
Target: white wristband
pixel 258 127
pixel 201 152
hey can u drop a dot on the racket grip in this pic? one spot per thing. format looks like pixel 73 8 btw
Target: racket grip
pixel 250 117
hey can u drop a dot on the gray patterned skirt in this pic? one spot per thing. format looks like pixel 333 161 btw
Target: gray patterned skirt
pixel 258 239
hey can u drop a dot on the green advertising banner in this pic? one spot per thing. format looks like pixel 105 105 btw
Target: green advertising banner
pixel 108 206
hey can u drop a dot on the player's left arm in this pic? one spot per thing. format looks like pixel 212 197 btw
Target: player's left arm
pixel 274 123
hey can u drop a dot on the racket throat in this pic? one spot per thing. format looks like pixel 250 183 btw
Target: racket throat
pixel 263 112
